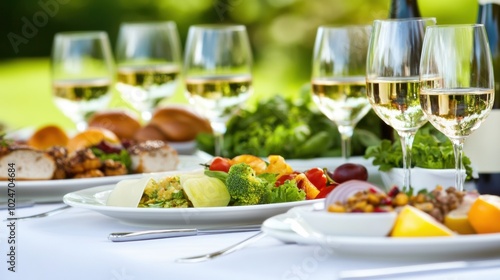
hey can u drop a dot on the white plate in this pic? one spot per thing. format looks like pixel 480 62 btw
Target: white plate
pixel 462 246
pixel 95 199
pixel 54 190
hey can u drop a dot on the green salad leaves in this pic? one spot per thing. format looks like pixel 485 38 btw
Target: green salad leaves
pixel 431 149
pixel 292 127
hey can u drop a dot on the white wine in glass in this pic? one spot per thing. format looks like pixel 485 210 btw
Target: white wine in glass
pixel 392 78
pixel 218 76
pixel 148 58
pixel 82 71
pixel 338 79
pixel 457 83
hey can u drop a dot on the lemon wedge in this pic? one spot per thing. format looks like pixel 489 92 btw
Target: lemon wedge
pixel 458 220
pixel 412 222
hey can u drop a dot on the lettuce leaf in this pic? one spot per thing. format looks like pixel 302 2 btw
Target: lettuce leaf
pixel 287 192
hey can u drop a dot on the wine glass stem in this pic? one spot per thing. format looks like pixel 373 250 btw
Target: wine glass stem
pixel 458 145
pixel 346 135
pixel 406 138
pixel 219 128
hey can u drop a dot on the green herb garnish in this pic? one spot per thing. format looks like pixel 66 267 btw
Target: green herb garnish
pixel 431 149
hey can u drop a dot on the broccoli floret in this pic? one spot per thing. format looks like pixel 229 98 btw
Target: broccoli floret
pixel 244 186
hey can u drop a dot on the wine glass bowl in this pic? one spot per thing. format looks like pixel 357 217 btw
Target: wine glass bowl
pixel 218 77
pixel 338 77
pixel 457 83
pixel 82 71
pixel 148 58
pixel 392 77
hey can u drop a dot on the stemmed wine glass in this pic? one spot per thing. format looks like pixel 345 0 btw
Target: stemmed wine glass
pixel 148 56
pixel 392 77
pixel 217 65
pixel 456 83
pixel 338 77
pixel 82 69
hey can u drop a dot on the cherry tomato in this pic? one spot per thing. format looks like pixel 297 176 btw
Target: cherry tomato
pixel 326 190
pixel 220 164
pixel 317 177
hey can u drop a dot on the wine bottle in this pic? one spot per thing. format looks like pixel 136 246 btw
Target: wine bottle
pixel 404 9
pixel 482 146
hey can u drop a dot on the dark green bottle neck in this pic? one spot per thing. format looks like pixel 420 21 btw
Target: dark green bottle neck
pixel 404 9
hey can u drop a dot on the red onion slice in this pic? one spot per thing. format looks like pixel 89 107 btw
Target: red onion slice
pixel 347 189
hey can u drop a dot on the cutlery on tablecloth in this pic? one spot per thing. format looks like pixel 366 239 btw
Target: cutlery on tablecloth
pixel 167 233
pixel 40 215
pixel 224 251
pixel 376 273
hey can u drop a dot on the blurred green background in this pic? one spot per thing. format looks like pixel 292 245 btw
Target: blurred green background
pixel 281 32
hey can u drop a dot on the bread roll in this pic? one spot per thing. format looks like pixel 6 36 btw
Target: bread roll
pixel 122 123
pixel 179 124
pixel 149 132
pixel 47 137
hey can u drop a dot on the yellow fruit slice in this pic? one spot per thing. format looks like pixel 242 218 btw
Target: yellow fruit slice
pixel 257 164
pixel 484 214
pixel 412 222
pixel 278 165
pixel 457 220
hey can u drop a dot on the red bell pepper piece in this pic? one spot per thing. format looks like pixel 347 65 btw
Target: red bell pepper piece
pixel 317 177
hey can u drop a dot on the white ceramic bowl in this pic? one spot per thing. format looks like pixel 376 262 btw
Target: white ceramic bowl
pixel 346 224
pixel 421 178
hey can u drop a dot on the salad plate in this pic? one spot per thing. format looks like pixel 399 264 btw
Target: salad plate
pixel 54 190
pixel 456 247
pixel 95 199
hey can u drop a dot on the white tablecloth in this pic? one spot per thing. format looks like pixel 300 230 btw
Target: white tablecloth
pixel 73 245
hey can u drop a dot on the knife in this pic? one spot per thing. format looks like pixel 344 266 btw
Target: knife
pixel 168 233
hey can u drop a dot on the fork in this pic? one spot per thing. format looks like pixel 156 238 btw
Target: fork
pixel 224 251
pixel 40 215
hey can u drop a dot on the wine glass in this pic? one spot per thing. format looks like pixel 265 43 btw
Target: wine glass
pixel 148 57
pixel 217 65
pixel 338 77
pixel 392 80
pixel 456 83
pixel 82 74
